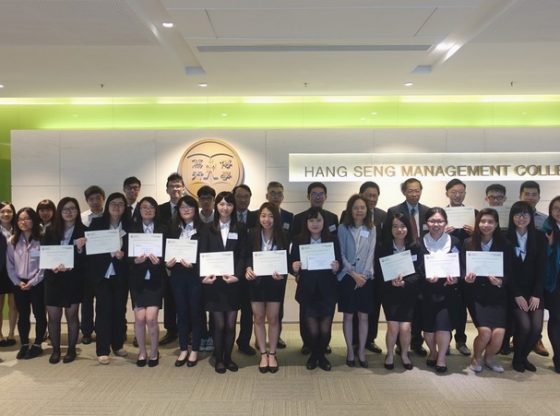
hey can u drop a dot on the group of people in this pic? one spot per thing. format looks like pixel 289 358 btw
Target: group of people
pixel 418 307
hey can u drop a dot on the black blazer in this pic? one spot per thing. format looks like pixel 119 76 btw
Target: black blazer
pixel 383 250
pixel 164 214
pixel 251 219
pixel 331 222
pixel 527 277
pixel 287 219
pixel 211 242
pixel 178 270
pixel 52 239
pixel 138 271
pixel 99 263
pixel 280 245
pixel 403 208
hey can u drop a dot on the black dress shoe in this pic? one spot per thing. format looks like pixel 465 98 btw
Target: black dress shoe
pixel 87 339
pixel 389 366
pixel 408 366
pixel 153 362
pixel 141 362
pixel 324 364
pixel 420 350
pixel 529 366
pixel 311 363
pixel 55 357
pixel 373 347
pixel 192 363
pixel 273 369
pixel 22 352
pixel 231 366
pixel 281 344
pixel 247 350
pixel 351 363
pixel 220 367
pixel 441 368
pixel 70 356
pixel 168 338
pixel 363 364
pixel 33 352
pixel 430 363
pixel 180 363
pixel 517 366
pixel 305 350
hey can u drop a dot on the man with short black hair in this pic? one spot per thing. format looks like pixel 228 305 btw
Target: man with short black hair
pixel 131 190
pixel 95 198
pixel 242 194
pixel 206 196
pixel 496 196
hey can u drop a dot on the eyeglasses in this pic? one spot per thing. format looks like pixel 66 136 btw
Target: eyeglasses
pixel 148 208
pixel 24 220
pixel 436 222
pixel 116 204
pixel 186 208
pixel 522 215
pixel 69 210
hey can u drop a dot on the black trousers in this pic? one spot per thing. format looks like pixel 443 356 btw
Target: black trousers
pixel 461 314
pixel 246 318
pixel 87 317
pixel 188 300
pixel 169 307
pixel 25 300
pixel 110 314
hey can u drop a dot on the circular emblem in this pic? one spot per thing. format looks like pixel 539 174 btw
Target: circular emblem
pixel 211 162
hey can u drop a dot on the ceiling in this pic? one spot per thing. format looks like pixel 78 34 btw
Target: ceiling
pixel 118 48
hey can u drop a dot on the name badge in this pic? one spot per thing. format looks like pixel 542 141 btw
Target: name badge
pixel 286 226
pixel 232 236
pixel 414 257
pixel 332 228
pixel 364 233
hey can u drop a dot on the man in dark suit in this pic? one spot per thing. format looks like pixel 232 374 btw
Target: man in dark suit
pixel 416 214
pixel 131 190
pixel 175 188
pixel 275 195
pixel 242 194
pixel 317 195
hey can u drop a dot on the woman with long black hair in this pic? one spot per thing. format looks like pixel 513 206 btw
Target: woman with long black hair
pixel 552 283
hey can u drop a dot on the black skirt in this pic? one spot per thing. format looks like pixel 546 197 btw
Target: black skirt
pixel 145 293
pixel 399 302
pixel 267 289
pixel 6 285
pixel 352 299
pixel 221 296
pixel 63 289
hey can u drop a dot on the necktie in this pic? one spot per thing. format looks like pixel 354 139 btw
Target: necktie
pixel 413 224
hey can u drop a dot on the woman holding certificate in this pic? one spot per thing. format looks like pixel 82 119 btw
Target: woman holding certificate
pixel 22 262
pixel 7 227
pixel 185 280
pixel 266 291
pixel 146 283
pixel 437 291
pixel 357 238
pixel 552 284
pixel 64 284
pixel 400 294
pixel 316 283
pixel 526 283
pixel 221 288
pixel 108 272
pixel 486 291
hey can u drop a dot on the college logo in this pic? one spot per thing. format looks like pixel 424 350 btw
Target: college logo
pixel 211 162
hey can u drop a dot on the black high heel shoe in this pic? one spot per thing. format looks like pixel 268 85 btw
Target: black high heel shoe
pixel 263 370
pixel 141 362
pixel 153 362
pixel 271 368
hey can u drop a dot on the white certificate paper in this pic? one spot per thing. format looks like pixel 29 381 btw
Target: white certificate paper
pixel 50 257
pixel 140 243
pixel 320 255
pixel 458 217
pixel 104 241
pixel 442 265
pixel 395 264
pixel 217 264
pixel 485 263
pixel 267 262
pixel 181 249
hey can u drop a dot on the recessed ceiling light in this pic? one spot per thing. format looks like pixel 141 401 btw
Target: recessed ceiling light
pixel 408 84
pixel 167 25
pixel 1 85
pixel 203 85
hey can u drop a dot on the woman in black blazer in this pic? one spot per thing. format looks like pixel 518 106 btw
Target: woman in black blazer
pixel 317 290
pixel 221 293
pixel 108 273
pixel 185 281
pixel 146 285
pixel 527 282
pixel 487 297
pixel 266 292
pixel 64 286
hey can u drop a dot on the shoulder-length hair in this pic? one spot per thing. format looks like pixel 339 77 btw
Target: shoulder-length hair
pixel 555 230
pixel 58 223
pixel 230 199
pixel 522 207
pixel 388 229
pixel 348 220
pixel 107 217
pixel 6 203
pixel 278 236
pixel 305 236
pixel 46 204
pixel 178 222
pixel 35 227
pixel 476 237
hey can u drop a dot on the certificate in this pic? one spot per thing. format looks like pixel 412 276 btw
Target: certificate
pixel 181 249
pixel 140 243
pixel 50 257
pixel 485 263
pixel 442 265
pixel 104 241
pixel 458 217
pixel 267 262
pixel 216 264
pixel 503 215
pixel 322 255
pixel 399 263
